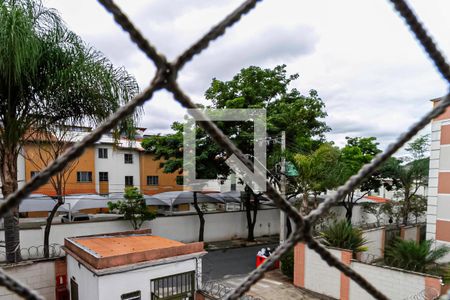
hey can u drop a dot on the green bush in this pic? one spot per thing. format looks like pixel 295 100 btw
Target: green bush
pixel 287 264
pixel 342 235
pixel 409 255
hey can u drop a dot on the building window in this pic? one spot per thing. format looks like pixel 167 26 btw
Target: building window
pixel 33 173
pixel 152 180
pixel 73 289
pixel 84 176
pixel 128 158
pixel 179 180
pixel 103 176
pixel 102 153
pixel 136 295
pixel 128 180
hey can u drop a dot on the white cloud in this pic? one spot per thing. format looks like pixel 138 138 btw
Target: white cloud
pixel 359 56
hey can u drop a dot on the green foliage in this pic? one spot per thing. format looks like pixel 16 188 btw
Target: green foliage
pixel 375 209
pixel 411 256
pixel 357 152
pixel 48 76
pixel 316 173
pixel 133 207
pixel 287 264
pixel 343 235
pixel 419 147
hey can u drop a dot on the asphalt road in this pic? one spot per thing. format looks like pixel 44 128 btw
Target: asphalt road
pixel 220 264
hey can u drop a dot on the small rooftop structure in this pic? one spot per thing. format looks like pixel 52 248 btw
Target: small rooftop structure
pixel 125 248
pixel 132 265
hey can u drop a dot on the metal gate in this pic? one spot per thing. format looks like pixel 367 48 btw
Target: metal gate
pixel 174 287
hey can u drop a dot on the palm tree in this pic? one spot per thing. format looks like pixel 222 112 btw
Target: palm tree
pixel 416 257
pixel 47 75
pixel 343 235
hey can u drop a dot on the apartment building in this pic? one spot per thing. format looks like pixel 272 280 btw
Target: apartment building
pixel 104 168
pixel 438 212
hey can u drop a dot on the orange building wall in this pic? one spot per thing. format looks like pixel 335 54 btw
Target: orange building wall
pixel 85 163
pixel 150 167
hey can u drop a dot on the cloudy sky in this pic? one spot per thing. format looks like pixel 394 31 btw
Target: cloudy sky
pixel 365 65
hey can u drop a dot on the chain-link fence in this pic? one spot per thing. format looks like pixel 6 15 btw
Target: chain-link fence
pixel 166 78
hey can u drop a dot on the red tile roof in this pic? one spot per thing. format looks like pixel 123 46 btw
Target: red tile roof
pixel 377 199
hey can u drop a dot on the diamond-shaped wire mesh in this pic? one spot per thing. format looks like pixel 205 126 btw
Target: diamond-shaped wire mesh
pixel 165 78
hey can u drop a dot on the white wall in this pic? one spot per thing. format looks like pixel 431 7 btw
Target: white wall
pixel 218 226
pixel 40 276
pixel 116 167
pixel 112 286
pixel 86 280
pixel 395 284
pixel 319 276
pixel 375 238
pixel 410 233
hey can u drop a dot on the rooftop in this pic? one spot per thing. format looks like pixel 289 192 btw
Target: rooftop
pixel 126 248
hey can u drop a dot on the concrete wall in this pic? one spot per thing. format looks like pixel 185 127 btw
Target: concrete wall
pixel 112 286
pixel 410 233
pixel 39 275
pixel 394 283
pixel 87 282
pixel 317 272
pixel 375 238
pixel 218 226
pixel 312 273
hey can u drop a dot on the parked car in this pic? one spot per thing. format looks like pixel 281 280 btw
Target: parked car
pixel 75 218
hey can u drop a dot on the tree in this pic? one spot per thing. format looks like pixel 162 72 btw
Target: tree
pixel 375 209
pixel 47 74
pixel 300 116
pixel 48 146
pixel 357 152
pixel 409 255
pixel 406 175
pixel 316 173
pixel 133 207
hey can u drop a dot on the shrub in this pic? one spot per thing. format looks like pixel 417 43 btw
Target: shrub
pixel 287 264
pixel 342 235
pixel 411 256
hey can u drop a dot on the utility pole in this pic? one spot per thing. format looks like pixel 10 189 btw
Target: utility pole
pixel 283 187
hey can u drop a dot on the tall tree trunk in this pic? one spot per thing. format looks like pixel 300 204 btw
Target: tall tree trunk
pixel 304 210
pixel 48 225
pixel 349 208
pixel 406 207
pixel 248 212
pixel 201 217
pixel 11 219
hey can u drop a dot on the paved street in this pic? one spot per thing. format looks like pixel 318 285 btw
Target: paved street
pixel 231 266
pixel 224 263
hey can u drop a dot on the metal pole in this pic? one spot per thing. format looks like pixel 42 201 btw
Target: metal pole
pixel 283 187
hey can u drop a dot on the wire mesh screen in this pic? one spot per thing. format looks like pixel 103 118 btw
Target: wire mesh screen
pixel 166 78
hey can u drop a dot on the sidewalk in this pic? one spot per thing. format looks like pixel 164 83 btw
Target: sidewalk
pixel 274 286
pixel 240 243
